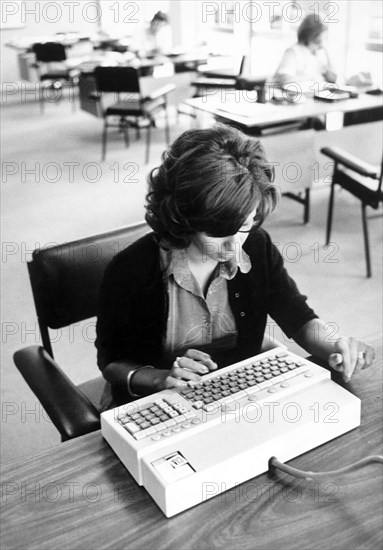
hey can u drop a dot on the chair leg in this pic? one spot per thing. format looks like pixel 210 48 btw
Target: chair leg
pixel 329 214
pixel 126 136
pixel 306 213
pixel 366 240
pixel 125 130
pixel 41 98
pixel 72 96
pixel 104 139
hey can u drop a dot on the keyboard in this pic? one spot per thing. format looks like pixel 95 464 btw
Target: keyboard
pixel 222 431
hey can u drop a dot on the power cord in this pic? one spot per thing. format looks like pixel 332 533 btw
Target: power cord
pixel 274 464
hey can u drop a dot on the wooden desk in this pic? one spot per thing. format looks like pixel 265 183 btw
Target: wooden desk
pixel 78 495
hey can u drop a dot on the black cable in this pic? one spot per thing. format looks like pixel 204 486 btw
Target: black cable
pixel 274 463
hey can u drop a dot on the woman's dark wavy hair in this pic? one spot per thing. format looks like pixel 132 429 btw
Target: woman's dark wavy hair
pixel 209 181
pixel 311 27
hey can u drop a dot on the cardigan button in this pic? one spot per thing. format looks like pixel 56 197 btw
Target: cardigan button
pixel 236 294
pixel 242 314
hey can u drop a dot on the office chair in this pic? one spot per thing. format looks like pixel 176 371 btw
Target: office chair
pixel 360 179
pixel 51 68
pixel 133 109
pixel 65 281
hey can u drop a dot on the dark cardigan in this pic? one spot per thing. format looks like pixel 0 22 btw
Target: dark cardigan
pixel 133 304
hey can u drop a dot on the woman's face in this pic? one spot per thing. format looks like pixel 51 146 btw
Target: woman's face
pixel 221 249
pixel 316 44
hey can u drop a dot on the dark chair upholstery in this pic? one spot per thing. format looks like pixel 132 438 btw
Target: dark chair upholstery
pixel 52 69
pixel 65 281
pixel 132 108
pixel 360 179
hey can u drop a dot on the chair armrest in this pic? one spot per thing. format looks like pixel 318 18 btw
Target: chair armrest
pixel 164 90
pixel 95 96
pixel 350 161
pixel 70 411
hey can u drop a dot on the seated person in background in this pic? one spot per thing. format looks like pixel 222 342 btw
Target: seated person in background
pixel 157 38
pixel 194 295
pixel 307 61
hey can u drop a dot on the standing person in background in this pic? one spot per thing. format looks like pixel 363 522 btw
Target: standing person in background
pixel 308 60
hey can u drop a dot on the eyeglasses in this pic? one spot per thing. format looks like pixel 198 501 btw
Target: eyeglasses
pixel 255 224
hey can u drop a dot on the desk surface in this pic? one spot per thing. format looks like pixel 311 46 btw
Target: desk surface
pixel 240 107
pixel 78 495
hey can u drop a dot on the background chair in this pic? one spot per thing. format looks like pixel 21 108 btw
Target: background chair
pixel 360 179
pixel 65 281
pixel 133 109
pixel 52 69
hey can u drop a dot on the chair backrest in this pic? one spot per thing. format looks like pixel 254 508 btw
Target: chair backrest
pixel 49 52
pixel 87 89
pixel 117 79
pixel 66 278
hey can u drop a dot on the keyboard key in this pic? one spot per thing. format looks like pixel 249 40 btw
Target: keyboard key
pixel 145 425
pixel 132 428
pixel 139 435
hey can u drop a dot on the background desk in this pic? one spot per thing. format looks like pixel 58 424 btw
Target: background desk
pixel 265 116
pixel 78 495
pixel 294 151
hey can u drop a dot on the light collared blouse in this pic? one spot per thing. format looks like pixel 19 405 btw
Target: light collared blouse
pixel 195 321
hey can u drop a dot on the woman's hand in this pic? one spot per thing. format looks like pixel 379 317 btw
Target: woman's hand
pixel 189 367
pixel 349 355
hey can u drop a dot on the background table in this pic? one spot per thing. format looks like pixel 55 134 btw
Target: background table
pixel 78 495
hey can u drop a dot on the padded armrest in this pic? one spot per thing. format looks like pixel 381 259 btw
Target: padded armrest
pixel 68 408
pixel 350 161
pixel 164 90
pixel 95 96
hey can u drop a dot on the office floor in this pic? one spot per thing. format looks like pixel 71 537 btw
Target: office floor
pixel 54 189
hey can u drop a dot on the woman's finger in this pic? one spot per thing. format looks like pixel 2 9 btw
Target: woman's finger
pixel 171 382
pixel 201 357
pixel 191 365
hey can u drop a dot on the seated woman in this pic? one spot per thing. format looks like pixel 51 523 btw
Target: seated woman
pixel 307 61
pixel 194 295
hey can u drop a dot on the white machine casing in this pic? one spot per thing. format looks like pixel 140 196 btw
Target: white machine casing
pixel 232 443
